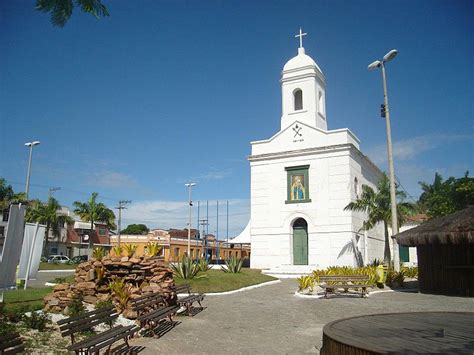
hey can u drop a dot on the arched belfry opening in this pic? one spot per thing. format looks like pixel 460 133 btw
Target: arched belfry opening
pixel 298 98
pixel 300 242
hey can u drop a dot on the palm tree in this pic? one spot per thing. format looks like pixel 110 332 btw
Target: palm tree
pixel 377 205
pixel 48 214
pixel 61 10
pixel 93 211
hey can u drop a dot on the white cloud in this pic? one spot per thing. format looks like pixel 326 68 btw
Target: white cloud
pixel 409 149
pixel 110 179
pixel 174 214
pixel 213 174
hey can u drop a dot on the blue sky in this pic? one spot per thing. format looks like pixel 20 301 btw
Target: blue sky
pixel 162 92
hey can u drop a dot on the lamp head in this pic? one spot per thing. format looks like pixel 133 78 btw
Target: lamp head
pixel 374 65
pixel 190 184
pixel 390 55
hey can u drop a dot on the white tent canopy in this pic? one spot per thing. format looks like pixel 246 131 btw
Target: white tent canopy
pixel 244 237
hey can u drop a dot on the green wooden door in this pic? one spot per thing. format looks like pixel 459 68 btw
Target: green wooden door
pixel 300 246
pixel 404 254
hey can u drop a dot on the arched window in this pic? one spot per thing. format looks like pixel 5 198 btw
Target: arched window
pixel 298 96
pixel 356 187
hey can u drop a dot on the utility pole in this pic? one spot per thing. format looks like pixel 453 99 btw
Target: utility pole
pixel 121 207
pixel 189 185
pixel 204 223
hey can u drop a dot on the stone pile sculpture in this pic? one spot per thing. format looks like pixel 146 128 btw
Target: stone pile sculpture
pixel 141 275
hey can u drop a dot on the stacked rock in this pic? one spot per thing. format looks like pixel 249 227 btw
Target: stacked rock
pixel 92 279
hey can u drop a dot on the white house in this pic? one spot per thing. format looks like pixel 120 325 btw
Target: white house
pixel 301 180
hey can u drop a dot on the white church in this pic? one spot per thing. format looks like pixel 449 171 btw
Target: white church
pixel 301 180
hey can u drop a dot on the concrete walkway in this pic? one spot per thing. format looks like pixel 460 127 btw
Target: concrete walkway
pixel 271 320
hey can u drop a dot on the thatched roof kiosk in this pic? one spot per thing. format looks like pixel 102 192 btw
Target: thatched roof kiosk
pixel 445 250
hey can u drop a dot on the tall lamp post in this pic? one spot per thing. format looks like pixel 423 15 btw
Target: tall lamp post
pixel 386 113
pixel 190 202
pixel 31 145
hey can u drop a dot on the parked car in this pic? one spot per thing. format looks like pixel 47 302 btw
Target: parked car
pixel 58 259
pixel 79 259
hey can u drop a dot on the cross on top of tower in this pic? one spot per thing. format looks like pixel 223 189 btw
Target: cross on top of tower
pixel 300 35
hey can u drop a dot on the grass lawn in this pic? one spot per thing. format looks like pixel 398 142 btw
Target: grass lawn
pixel 219 281
pixel 48 266
pixel 31 297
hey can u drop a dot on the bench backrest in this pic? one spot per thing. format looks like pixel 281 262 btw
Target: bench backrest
pixel 182 289
pixel 343 278
pixel 12 342
pixel 79 323
pixel 150 300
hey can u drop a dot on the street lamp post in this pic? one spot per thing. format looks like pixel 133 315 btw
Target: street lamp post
pixel 393 197
pixel 189 186
pixel 31 145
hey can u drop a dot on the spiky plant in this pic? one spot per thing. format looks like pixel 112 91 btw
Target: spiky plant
pixel 186 269
pixel 203 265
pixel 130 249
pixel 99 273
pixel 121 291
pixel 232 265
pixel 117 250
pixel 153 248
pixel 99 253
pixel 305 282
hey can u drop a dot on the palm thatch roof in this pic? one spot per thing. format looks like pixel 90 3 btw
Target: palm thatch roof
pixel 456 228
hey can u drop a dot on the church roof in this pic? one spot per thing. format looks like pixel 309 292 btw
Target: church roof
pixel 300 61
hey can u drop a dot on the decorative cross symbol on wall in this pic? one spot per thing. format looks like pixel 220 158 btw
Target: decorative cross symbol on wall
pixel 301 37
pixel 297 129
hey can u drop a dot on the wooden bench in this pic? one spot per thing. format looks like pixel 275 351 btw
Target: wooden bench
pixel 332 283
pixel 187 301
pixel 11 344
pixel 93 344
pixel 152 310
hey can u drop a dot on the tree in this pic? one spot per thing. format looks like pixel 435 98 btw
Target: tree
pixel 377 206
pixel 444 197
pixel 93 211
pixel 135 229
pixel 61 10
pixel 47 214
pixel 7 195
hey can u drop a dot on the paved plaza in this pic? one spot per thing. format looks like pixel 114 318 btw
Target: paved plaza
pixel 272 320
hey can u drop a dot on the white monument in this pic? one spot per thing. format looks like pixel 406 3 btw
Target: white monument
pixel 301 180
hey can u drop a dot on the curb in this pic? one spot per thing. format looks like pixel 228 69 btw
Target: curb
pixel 268 283
pixel 64 270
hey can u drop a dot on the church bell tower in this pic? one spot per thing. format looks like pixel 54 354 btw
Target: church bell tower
pixel 303 91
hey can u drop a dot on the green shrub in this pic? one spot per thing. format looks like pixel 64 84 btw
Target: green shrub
pixel 76 307
pixel 5 326
pixel 233 265
pixel 104 304
pixel 203 265
pixel 186 269
pixel 36 320
pixel 411 272
pixel 16 314
pixel 394 277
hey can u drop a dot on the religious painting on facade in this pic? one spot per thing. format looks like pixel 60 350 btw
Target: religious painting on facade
pixel 297 189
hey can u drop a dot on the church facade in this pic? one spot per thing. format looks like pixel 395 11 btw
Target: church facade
pixel 301 180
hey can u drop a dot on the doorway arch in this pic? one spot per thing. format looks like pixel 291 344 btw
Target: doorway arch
pixel 300 242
